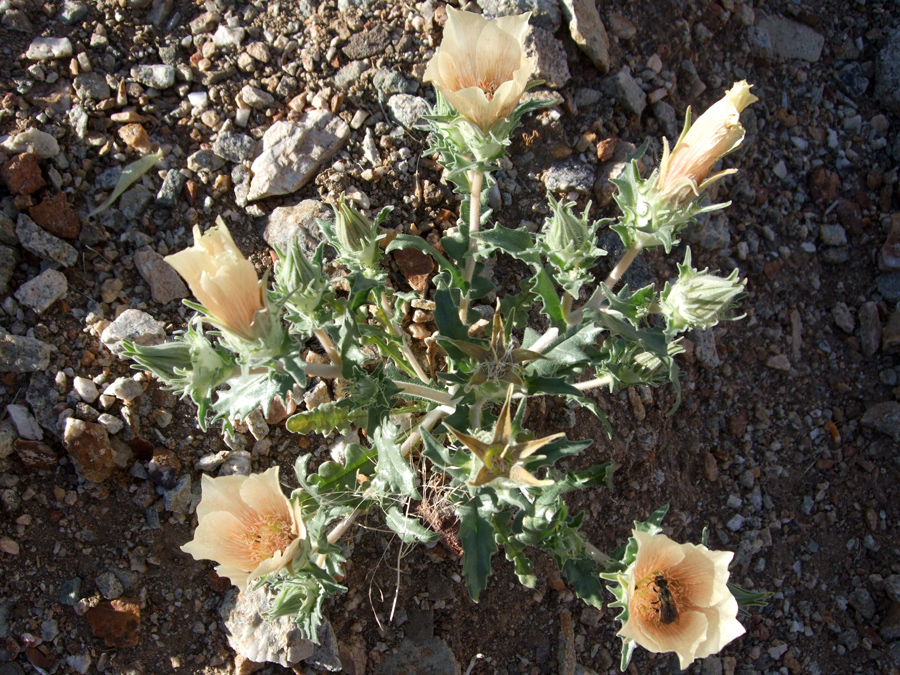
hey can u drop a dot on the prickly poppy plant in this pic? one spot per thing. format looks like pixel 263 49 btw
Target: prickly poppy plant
pixel 459 400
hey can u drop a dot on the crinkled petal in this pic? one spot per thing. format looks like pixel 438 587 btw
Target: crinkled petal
pixel 655 553
pixel 723 627
pixel 279 560
pixel 222 494
pixel 236 576
pixel 697 576
pixel 262 492
pixel 682 636
pixel 498 56
pixel 222 537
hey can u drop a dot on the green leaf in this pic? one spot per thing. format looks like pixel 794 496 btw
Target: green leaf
pixel 517 243
pixel 457 245
pixel 476 534
pixel 583 575
pixel 543 285
pixel 246 393
pixel 360 289
pixel 442 458
pixel 446 316
pixel 515 308
pixel 748 598
pixel 335 483
pixel 567 351
pixel 514 550
pixel 393 468
pixel 554 386
pixel 410 530
pixel 327 417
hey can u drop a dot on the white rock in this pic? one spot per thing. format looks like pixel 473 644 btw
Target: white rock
pixel 256 98
pixel 317 396
pixel 124 389
pixel 24 421
pixel 42 49
pixel 198 99
pixel 86 389
pixel 112 423
pixel 229 37
pixel 32 140
pixel 292 153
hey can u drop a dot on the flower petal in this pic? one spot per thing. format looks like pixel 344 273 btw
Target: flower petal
pixel 237 577
pixel 683 636
pixel 262 492
pixel 222 494
pixel 655 553
pixel 723 627
pixel 222 537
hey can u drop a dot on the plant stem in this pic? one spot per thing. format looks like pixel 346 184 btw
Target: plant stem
pixel 433 395
pixel 337 533
pixel 475 180
pixel 544 341
pixel 597 299
pixel 476 413
pixel 604 381
pixel 328 345
pixel 322 370
pixel 567 308
pixel 428 422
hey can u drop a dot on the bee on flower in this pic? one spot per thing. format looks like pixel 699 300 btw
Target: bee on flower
pixel 247 525
pixel 677 598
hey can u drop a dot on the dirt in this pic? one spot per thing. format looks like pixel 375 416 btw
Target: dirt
pixel 783 449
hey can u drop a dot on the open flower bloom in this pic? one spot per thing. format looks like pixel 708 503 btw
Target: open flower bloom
pixel 481 68
pixel 696 581
pixel 247 525
pixel 717 132
pixel 224 282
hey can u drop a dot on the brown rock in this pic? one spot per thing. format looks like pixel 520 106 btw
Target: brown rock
pixel 869 328
pixel 244 666
pixel 353 655
pixel 88 445
pixel 889 255
pixel 56 217
pixel 737 423
pixel 22 174
pixel 710 467
pixel 165 284
pixel 416 267
pixel 890 336
pixel 823 184
pixel 135 137
pixel 606 148
pixel 116 621
pixel 35 455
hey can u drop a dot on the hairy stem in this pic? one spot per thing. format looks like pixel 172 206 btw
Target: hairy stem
pixel 328 345
pixel 338 532
pixel 475 180
pixel 567 308
pixel 428 422
pixel 597 299
pixel 417 390
pixel 545 340
pixel 322 370
pixel 598 555
pixel 604 381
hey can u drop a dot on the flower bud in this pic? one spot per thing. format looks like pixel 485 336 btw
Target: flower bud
pixel 568 243
pixel 718 131
pixel 300 282
pixel 698 299
pixel 357 236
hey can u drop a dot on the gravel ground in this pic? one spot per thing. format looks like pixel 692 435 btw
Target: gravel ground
pixel 785 445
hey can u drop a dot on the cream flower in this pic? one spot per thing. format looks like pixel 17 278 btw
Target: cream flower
pixel 247 525
pixel 224 282
pixel 481 68
pixel 696 579
pixel 717 132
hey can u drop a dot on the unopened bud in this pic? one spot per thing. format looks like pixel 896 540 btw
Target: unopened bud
pixel 698 299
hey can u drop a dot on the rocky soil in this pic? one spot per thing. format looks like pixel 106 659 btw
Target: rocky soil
pixel 786 443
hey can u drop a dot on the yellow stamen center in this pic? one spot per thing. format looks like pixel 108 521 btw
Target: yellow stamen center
pixel 266 535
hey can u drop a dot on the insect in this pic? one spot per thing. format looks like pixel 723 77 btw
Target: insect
pixel 668 612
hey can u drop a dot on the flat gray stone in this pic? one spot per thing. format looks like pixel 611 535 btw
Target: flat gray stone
pixel 367 43
pixel 348 75
pixel 91 86
pixel 884 417
pixel 887 73
pixel 548 56
pixel 407 109
pixel 544 13
pixel 26 425
pixel 134 201
pixel 205 160
pixel 588 31
pixel 792 40
pixel 569 176
pixel 43 244
pixel 233 147
pixel 293 152
pixel 171 188
pixel 135 326
pixel 628 93
pixel 431 656
pixel 165 283
pixel 256 97
pixel 287 222
pixel 158 76
pixel 72 12
pixel 41 292
pixel 43 49
pixel 9 257
pixel 20 354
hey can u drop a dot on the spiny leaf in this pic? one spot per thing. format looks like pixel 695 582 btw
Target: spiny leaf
pixel 393 468
pixel 582 574
pixel 410 530
pixel 477 537
pixel 327 417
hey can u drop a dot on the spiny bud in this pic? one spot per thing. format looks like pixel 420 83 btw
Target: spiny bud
pixel 299 280
pixel 698 299
pixel 357 236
